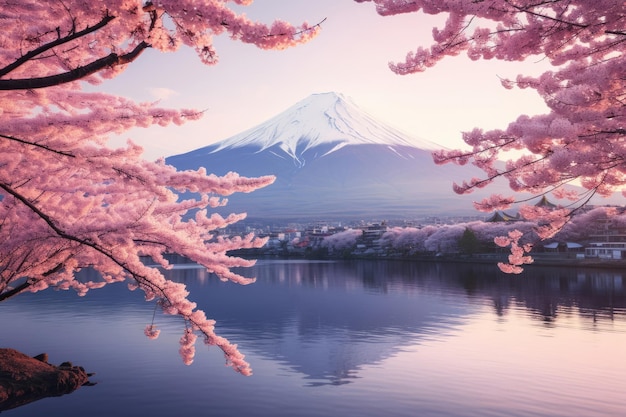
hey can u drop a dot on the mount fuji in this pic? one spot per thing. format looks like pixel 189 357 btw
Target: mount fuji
pixel 333 161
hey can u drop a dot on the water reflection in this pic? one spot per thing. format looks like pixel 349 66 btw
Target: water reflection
pixel 365 338
pixel 324 320
pixel 329 320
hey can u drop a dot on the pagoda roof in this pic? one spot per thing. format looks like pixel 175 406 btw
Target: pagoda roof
pixel 501 216
pixel 545 203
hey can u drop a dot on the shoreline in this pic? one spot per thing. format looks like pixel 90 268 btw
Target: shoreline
pixel 541 259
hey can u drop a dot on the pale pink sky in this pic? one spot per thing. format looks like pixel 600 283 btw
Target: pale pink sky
pixel 349 56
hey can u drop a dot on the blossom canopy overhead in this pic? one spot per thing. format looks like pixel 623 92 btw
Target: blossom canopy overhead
pixel 581 140
pixel 67 201
pixel 582 137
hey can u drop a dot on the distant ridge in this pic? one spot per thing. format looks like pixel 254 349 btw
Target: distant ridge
pixel 332 160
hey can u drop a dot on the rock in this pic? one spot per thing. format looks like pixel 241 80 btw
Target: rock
pixel 42 357
pixel 24 379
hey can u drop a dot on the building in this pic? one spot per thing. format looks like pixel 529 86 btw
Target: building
pixel 606 250
pixel 607 241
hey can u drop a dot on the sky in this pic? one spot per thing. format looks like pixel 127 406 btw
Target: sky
pixel 349 56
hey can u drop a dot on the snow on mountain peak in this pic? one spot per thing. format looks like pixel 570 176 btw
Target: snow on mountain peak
pixel 326 118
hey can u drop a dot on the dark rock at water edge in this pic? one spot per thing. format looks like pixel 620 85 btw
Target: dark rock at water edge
pixel 24 379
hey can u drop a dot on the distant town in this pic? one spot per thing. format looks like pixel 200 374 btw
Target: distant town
pixel 591 236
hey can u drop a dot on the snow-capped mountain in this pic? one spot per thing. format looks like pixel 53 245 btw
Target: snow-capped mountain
pixel 332 160
pixel 327 120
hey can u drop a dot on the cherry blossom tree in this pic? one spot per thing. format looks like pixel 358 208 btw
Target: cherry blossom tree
pixel 410 240
pixel 581 140
pixel 67 201
pixel 446 238
pixel 342 241
pixel 600 220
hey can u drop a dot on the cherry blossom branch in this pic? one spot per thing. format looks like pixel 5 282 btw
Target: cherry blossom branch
pixel 518 257
pixel 605 132
pixel 442 157
pixel 543 16
pixel 299 32
pixel 480 183
pixel 557 20
pixel 70 202
pixel 37 145
pixel 166 292
pixel 58 231
pixel 27 284
pixel 60 41
pixel 111 60
pixel 44 217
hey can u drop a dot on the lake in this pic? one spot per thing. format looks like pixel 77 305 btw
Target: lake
pixel 345 338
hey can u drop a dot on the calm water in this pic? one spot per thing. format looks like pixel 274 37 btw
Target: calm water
pixel 358 338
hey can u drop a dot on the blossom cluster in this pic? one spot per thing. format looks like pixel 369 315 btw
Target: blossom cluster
pixel 581 138
pixel 68 201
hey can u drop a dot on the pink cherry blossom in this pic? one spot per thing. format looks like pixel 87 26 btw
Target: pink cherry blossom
pixel 151 331
pixel 342 240
pixel 68 201
pixel 518 255
pixel 581 138
pixel 510 269
pixel 187 346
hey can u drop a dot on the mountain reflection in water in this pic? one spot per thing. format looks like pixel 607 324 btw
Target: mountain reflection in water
pixel 327 319
pixel 365 338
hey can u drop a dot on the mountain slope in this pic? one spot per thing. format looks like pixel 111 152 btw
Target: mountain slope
pixel 328 120
pixel 334 161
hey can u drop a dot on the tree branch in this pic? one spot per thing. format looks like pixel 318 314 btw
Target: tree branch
pixel 528 10
pixel 111 60
pixel 37 145
pixel 165 298
pixel 445 160
pixel 26 284
pixel 16 290
pixel 300 32
pixel 60 41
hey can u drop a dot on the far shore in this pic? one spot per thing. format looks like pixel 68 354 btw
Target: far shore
pixel 539 259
